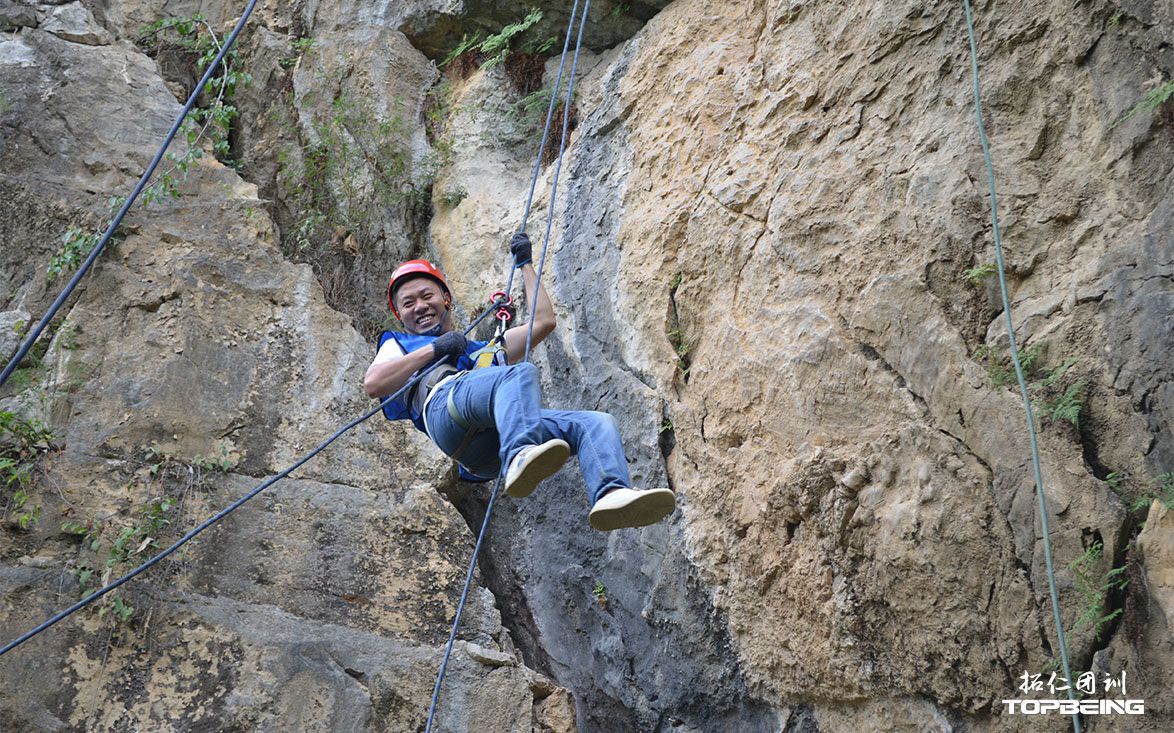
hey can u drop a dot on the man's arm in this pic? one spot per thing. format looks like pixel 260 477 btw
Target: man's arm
pixel 392 368
pixel 386 376
pixel 544 321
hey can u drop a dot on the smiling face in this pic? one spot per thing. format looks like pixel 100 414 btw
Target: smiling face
pixel 422 305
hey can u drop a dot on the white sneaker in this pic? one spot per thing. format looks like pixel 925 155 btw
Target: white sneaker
pixel 534 463
pixel 631 508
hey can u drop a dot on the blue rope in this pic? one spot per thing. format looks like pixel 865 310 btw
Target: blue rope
pixel 562 146
pixel 530 329
pixel 452 635
pixel 114 224
pixel 232 507
pixel 550 113
pixel 1035 459
pixel 187 537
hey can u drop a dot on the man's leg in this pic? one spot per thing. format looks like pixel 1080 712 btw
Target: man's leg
pixel 595 438
pixel 508 400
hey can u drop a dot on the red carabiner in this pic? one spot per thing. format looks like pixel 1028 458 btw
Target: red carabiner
pixel 503 313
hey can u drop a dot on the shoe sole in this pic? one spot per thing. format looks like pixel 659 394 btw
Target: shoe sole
pixel 543 461
pixel 648 508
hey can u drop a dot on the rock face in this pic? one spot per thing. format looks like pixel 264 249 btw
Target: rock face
pixel 196 362
pixel 770 262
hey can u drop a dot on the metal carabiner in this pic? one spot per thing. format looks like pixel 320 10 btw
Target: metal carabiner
pixel 503 313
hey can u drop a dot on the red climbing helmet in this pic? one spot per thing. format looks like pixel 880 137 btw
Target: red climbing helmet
pixel 412 268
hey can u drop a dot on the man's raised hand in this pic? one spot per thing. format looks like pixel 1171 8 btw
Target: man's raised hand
pixel 521 248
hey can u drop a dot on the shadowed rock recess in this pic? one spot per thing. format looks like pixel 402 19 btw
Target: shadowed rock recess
pixel 771 260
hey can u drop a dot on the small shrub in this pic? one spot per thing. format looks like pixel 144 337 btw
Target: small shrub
pixel 976 275
pixel 495 48
pixel 452 197
pixel 1068 405
pixel 1114 480
pixel 492 50
pixel 1155 99
pixel 600 593
pixel 299 48
pixel 76 243
pixel 23 442
pixel 219 462
pixel 1162 489
pixel 466 49
pixel 1095 587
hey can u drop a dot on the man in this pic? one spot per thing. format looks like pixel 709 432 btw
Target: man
pixel 492 417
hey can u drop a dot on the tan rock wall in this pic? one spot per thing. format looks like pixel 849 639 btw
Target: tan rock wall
pixel 760 245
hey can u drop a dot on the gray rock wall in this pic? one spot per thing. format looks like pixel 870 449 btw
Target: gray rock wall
pixel 761 240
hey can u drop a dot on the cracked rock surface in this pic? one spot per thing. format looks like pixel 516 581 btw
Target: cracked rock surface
pixel 770 262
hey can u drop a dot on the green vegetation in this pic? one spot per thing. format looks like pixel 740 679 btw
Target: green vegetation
pixel 497 46
pixel 600 593
pixel 31 368
pixel 193 40
pixel 1095 586
pixel 76 243
pixel 976 275
pixel 530 110
pixel 452 197
pixel 218 462
pixel 468 44
pixel 1161 489
pixel 114 554
pixel 23 442
pixel 1153 100
pixel 5 104
pixel 299 48
pixel 1056 395
pixel 1114 480
pixel 1067 405
pixel 111 545
pixel 356 165
pixel 680 344
pixel 492 50
pixel 666 425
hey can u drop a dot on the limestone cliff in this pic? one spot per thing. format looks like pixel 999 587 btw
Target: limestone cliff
pixel 770 262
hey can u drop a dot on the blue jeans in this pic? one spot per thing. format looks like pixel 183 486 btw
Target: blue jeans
pixel 504 403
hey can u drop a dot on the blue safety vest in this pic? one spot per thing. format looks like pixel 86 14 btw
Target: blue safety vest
pixel 401 408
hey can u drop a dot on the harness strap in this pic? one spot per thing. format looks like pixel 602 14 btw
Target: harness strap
pixel 482 359
pixel 454 413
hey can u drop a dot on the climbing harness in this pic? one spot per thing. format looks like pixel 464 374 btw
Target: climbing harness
pixel 1035 459
pixel 499 309
pixel 487 356
pixel 117 220
pixel 530 325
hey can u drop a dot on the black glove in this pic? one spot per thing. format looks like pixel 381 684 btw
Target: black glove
pixel 522 249
pixel 449 344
